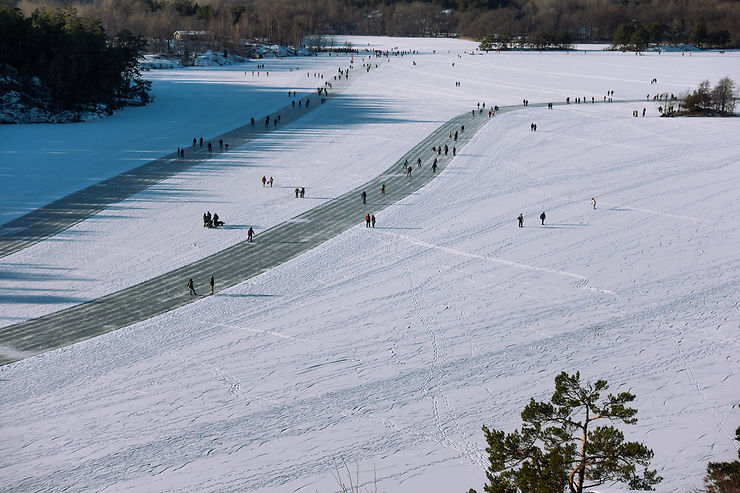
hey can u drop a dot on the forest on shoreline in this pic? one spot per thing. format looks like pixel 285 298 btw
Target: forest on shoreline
pixel 229 23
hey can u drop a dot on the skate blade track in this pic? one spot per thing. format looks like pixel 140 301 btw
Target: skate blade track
pixel 508 263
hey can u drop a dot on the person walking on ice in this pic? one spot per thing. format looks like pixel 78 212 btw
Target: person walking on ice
pixel 364 197
pixel 408 171
pixel 520 218
pixel 542 218
pixel 593 202
pixel 367 221
pixel 264 181
pixel 382 189
pixel 372 220
pixel 212 284
pixel 270 181
pixel 191 287
pixel 250 234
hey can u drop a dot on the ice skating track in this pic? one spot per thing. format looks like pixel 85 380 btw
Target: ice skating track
pixel 61 214
pixel 230 266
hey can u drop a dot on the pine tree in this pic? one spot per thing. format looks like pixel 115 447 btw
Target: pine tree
pixel 561 447
pixel 724 477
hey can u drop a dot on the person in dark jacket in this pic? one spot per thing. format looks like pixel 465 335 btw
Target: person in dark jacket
pixel 542 218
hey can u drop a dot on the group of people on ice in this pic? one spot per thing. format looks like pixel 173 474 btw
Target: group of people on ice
pixel 211 221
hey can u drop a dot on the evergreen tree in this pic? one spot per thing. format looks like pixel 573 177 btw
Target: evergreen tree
pixel 724 477
pixel 560 446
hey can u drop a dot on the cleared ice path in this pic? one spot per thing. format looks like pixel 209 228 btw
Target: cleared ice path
pixel 61 214
pixel 234 264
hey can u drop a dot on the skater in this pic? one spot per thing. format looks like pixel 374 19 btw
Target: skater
pixel 270 181
pixel 264 181
pixel 418 163
pixel 303 192
pixel 454 151
pixel 364 197
pixel 220 143
pixel 434 165
pixel 367 221
pixel 250 234
pixel 382 189
pixel 201 141
pixel 372 220
pixel 446 148
pixel 207 220
pixel 408 171
pixel 593 202
pixel 210 147
pixel 212 284
pixel 455 135
pixel 542 218
pixel 194 142
pixel 191 287
pixel 297 192
pixel 520 218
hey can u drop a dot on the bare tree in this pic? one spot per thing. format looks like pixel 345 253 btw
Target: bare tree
pixel 723 96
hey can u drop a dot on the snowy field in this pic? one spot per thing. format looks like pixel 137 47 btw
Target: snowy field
pixel 388 348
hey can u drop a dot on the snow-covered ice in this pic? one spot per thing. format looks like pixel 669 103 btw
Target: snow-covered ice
pixel 387 348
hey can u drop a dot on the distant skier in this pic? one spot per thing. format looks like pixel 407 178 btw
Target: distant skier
pixel 542 218
pixel 364 197
pixel 593 202
pixel 191 287
pixel 250 234
pixel 212 284
pixel 520 218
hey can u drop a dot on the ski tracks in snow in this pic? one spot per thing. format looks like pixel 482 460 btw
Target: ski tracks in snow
pixel 434 379
pixel 581 280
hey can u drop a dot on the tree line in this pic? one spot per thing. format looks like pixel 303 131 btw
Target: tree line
pixel 289 22
pixel 69 60
pixel 637 37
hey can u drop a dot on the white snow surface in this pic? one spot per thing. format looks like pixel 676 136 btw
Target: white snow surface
pixel 386 348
